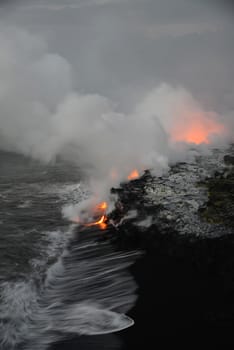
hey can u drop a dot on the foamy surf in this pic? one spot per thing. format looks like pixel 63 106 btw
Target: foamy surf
pixel 86 292
pixel 59 280
pixel 92 320
pixel 17 304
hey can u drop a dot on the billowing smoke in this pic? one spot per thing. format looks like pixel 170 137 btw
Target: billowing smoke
pixel 43 116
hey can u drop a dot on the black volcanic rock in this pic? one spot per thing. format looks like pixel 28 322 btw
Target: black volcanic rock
pixel 220 205
pixel 186 293
pixel 183 224
pixel 229 159
pixel 186 281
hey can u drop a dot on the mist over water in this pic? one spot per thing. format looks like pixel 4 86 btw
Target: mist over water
pixel 93 82
pixel 109 86
pixel 43 116
pixel 55 278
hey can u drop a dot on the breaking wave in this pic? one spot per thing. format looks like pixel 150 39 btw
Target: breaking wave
pixel 87 291
pixel 55 280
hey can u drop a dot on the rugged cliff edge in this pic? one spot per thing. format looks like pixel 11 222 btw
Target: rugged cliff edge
pixel 183 224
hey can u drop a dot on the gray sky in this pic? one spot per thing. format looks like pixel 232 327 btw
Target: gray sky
pixel 121 48
pixel 115 85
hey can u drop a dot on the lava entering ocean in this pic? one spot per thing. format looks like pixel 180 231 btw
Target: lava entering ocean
pixel 102 223
pixel 99 217
pixel 100 209
pixel 95 215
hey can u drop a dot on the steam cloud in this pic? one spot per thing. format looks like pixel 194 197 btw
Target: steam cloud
pixel 43 116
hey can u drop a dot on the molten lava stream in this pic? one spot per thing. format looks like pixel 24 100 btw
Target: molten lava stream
pixel 99 210
pixel 102 223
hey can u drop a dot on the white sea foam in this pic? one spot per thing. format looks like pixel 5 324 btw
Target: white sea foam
pixel 17 304
pixel 87 291
pixel 92 319
pixel 145 223
pixel 74 192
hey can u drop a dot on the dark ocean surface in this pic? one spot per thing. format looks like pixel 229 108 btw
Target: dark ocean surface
pixel 64 287
pixel 30 214
pixel 55 281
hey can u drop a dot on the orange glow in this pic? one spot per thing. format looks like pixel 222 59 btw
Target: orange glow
pixel 102 223
pixel 101 206
pixel 114 174
pixel 133 175
pixel 99 210
pixel 198 129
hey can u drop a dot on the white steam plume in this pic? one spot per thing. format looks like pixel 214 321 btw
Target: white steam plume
pixel 42 116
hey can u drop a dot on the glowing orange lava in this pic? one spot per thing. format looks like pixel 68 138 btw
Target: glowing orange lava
pixel 133 175
pixel 102 223
pixel 198 129
pixel 98 211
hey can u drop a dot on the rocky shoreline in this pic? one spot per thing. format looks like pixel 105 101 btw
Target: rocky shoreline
pixel 183 224
pixel 194 198
pixel 186 277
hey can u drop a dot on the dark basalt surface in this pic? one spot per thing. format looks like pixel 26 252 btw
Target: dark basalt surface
pixel 185 282
pixel 220 205
pixel 186 293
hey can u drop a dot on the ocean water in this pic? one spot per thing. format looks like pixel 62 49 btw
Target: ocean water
pixel 56 280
